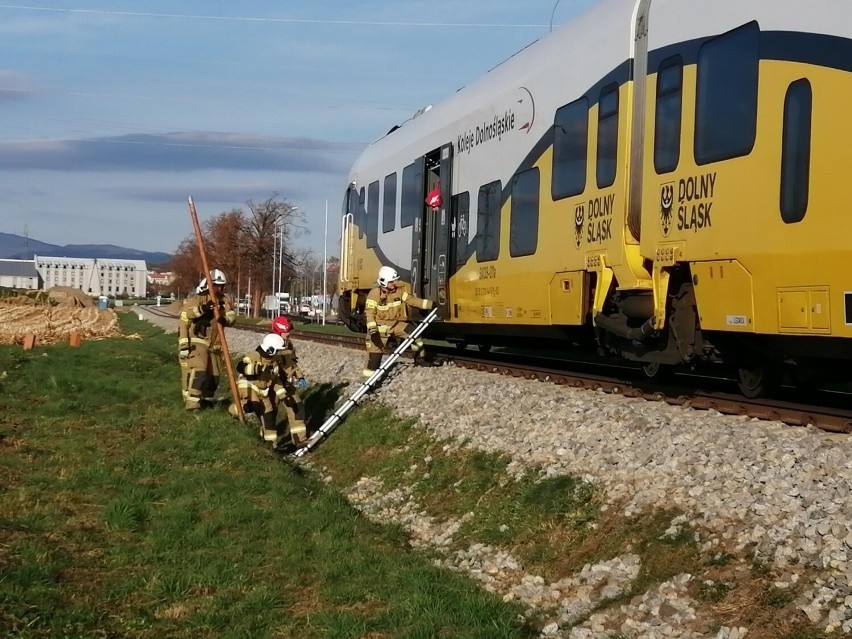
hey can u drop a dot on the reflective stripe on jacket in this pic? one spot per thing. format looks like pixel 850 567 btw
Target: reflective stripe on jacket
pixel 198 319
pixel 260 373
pixel 388 307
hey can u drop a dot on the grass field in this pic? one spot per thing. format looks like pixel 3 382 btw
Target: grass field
pixel 123 516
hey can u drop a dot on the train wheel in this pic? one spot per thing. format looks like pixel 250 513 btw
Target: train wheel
pixel 462 345
pixel 756 380
pixel 484 348
pixel 656 372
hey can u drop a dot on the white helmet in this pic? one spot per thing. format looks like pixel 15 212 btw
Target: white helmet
pixel 202 286
pixel 387 275
pixel 271 344
pixel 218 277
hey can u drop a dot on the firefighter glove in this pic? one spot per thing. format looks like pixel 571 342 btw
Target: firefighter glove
pixel 183 353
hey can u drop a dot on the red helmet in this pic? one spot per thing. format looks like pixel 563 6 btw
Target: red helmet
pixel 281 325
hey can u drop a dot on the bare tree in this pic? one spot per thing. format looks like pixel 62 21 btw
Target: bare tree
pixel 184 264
pixel 244 244
pixel 271 224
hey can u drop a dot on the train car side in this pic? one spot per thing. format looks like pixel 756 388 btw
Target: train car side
pixel 659 180
pixel 744 183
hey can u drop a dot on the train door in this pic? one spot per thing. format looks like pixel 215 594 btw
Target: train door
pixel 347 244
pixel 444 226
pixel 428 269
pixel 432 241
pixel 413 195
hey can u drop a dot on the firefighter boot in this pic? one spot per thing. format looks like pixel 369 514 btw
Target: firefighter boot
pixel 298 432
pixel 249 415
pixel 268 429
pixel 420 359
pixel 374 360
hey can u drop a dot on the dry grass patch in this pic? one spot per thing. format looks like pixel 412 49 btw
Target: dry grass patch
pixel 750 599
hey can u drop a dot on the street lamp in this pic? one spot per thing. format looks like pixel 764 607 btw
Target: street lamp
pixel 325 265
pixel 274 259
pixel 278 259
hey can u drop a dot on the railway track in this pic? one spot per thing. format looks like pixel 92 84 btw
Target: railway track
pixel 827 411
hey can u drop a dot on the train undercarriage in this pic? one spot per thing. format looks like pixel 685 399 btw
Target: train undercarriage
pixel 760 364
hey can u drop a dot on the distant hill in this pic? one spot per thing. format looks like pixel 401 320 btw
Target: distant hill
pixel 16 247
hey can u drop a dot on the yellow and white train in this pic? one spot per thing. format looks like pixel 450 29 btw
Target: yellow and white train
pixel 669 181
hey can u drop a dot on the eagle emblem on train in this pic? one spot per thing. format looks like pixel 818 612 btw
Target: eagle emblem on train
pixel 579 220
pixel 666 206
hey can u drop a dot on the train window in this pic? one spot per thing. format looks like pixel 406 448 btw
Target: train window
pixel 523 220
pixel 607 136
pixel 412 186
pixel 726 100
pixel 373 214
pixel 488 222
pixel 570 147
pixel 389 204
pixel 796 151
pixel 669 114
pixel 462 204
pixel 361 213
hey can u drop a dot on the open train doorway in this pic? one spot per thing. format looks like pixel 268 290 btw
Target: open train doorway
pixel 431 237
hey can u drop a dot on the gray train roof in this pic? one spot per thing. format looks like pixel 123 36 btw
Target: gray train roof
pixel 592 45
pixel 610 20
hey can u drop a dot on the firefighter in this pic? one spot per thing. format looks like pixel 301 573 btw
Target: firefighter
pixel 184 343
pixel 294 380
pixel 201 362
pixel 387 316
pixel 261 388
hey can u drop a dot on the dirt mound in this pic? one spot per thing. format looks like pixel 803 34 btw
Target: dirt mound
pixel 69 296
pixel 50 324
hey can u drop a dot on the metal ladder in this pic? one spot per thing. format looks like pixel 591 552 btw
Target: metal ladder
pixel 334 420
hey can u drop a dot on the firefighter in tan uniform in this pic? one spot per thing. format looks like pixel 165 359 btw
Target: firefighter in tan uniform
pixel 184 340
pixel 202 364
pixel 294 380
pixel 262 388
pixel 387 316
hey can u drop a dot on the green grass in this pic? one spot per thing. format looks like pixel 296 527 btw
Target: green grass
pixel 123 516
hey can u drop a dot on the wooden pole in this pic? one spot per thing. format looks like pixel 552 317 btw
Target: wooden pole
pixel 232 380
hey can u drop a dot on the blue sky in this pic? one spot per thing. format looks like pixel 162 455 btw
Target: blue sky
pixel 114 112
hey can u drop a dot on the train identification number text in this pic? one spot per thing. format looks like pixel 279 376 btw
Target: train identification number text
pixel 487 272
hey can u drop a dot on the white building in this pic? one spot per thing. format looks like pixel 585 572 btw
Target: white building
pixel 161 279
pixel 95 276
pixel 19 274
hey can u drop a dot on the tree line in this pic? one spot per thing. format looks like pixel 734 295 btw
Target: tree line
pixel 251 245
